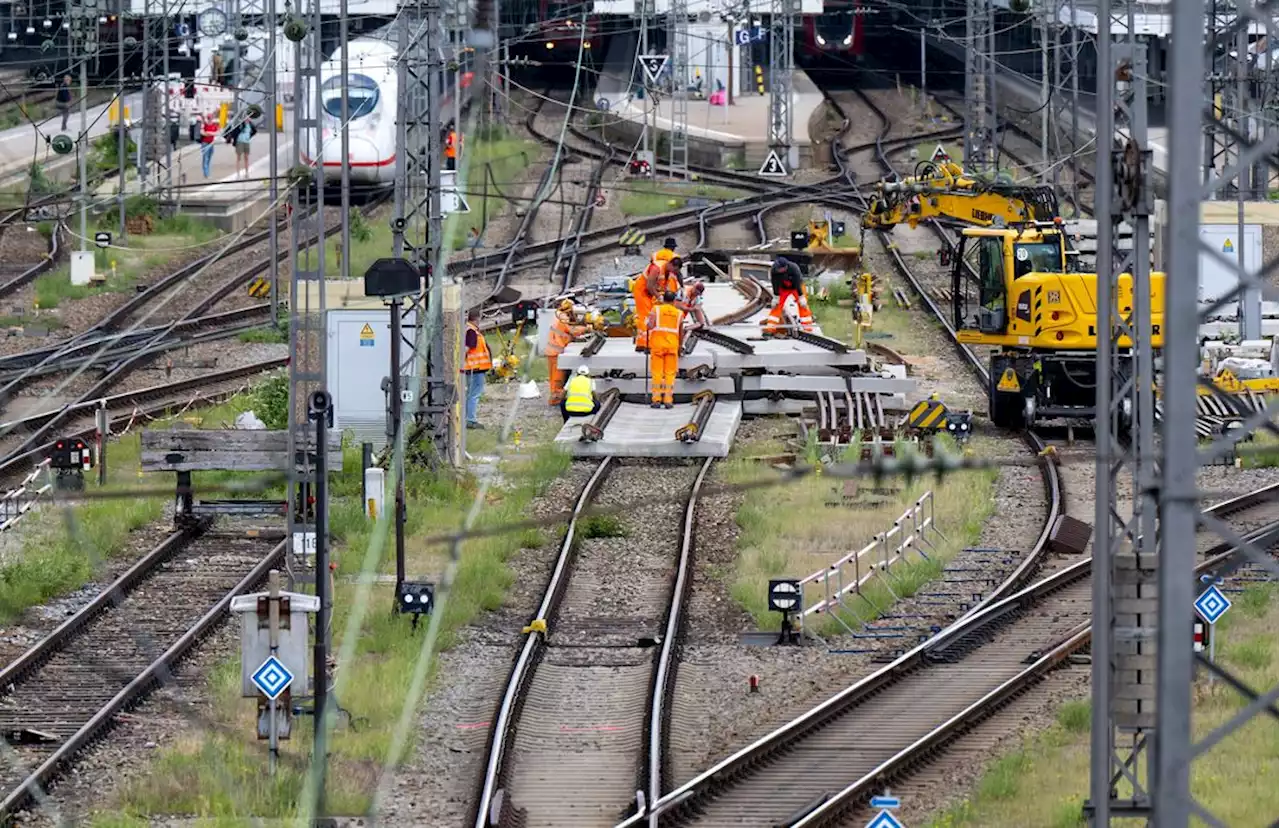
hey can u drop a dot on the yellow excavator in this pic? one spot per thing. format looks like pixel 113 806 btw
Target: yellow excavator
pixel 1012 289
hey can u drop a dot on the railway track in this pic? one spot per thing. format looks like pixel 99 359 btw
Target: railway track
pixel 586 701
pixel 66 691
pixel 801 773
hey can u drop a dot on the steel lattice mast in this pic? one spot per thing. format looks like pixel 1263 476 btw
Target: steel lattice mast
pixel 678 46
pixel 979 86
pixel 785 14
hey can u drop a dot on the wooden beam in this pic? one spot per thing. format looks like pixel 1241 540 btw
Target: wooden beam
pixel 174 450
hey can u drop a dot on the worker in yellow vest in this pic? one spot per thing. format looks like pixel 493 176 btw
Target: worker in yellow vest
pixel 477 364
pixel 580 395
pixel 564 330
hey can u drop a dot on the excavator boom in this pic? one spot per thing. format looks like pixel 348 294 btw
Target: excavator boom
pixel 943 192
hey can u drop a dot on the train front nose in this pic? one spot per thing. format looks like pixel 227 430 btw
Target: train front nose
pixel 368 161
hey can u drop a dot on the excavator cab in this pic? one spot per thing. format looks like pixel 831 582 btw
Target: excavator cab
pixel 998 257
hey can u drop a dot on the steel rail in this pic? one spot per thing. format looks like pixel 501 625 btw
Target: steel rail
pixel 117 346
pixel 664 677
pixel 150 677
pixel 916 658
pixel 34 446
pixel 849 697
pixel 40 267
pixel 522 669
pixel 865 787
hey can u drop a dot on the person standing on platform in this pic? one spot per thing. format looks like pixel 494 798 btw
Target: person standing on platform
pixel 580 395
pixel 63 101
pixel 208 137
pixel 243 136
pixel 477 364
pixel 664 326
pixel 563 331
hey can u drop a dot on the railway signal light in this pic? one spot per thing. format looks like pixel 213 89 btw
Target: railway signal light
pixel 785 597
pixel 417 598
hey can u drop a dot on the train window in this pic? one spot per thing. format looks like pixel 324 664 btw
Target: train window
pixel 362 96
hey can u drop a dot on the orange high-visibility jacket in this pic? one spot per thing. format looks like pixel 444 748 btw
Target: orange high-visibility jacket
pixel 478 358
pixel 664 330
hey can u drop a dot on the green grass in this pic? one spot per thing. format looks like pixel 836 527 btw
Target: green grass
pixel 1261 452
pixel 796 530
pixel 653 198
pixel 271 335
pixel 507 157
pixel 62 549
pixel 171 238
pixel 224 779
pixel 1043 782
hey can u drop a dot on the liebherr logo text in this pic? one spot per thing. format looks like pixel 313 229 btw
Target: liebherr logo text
pixel 982 215
pixel 1155 330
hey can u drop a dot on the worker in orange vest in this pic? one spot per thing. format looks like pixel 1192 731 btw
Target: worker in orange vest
pixel 564 330
pixel 451 148
pixel 477 364
pixel 658 278
pixel 664 327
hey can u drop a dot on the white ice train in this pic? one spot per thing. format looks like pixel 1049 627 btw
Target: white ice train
pixel 373 101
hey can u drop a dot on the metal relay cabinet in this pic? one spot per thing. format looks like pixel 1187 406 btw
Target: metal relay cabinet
pixel 294 650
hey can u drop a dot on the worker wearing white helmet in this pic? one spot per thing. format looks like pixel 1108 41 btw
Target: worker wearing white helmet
pixel 580 395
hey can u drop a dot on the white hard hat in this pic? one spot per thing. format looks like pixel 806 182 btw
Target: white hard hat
pixel 583 370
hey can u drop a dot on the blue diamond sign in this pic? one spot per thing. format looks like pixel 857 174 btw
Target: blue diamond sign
pixel 272 678
pixel 884 819
pixel 1212 604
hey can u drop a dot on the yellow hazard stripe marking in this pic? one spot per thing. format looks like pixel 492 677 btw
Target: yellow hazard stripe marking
pixel 927 415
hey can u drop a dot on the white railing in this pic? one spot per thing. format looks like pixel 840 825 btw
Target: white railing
pixel 844 579
pixel 16 502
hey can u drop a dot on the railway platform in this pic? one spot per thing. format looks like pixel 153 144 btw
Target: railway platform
pixel 23 145
pixel 224 198
pixel 735 136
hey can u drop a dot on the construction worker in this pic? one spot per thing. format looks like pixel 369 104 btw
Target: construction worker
pixel 475 366
pixel 563 331
pixel 451 148
pixel 788 283
pixel 667 252
pixel 658 277
pixel 664 326
pixel 580 395
pixel 691 303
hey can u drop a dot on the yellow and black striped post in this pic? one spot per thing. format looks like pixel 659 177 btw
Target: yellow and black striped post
pixel 631 240
pixel 928 415
pixel 260 288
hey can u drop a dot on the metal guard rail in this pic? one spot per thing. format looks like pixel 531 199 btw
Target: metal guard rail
pixel 907 532
pixel 916 657
pixel 17 502
pixel 704 402
pixel 593 430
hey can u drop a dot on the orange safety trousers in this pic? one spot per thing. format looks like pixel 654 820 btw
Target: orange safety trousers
pixel 557 378
pixel 774 320
pixel 644 305
pixel 663 363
